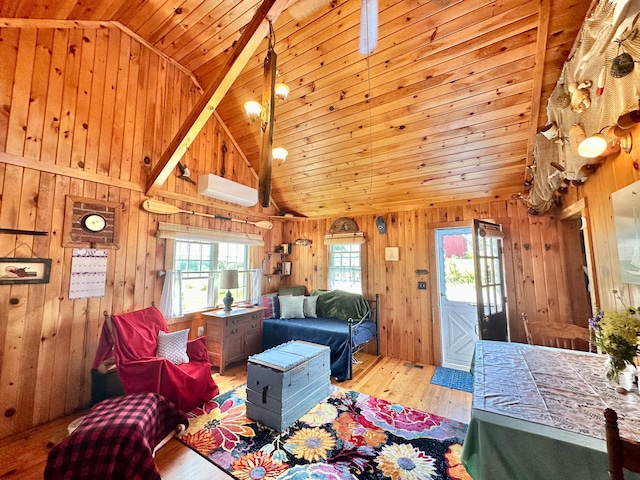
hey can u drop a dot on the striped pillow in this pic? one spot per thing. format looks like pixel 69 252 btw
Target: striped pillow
pixel 272 304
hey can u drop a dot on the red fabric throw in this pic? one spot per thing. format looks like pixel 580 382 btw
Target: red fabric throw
pixel 136 336
pixel 116 440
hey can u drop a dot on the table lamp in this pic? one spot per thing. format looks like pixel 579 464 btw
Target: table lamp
pixel 228 280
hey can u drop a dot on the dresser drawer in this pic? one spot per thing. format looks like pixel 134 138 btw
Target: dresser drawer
pixel 233 336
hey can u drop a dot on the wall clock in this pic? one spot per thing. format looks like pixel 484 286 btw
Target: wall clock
pixel 93 222
pixel 89 222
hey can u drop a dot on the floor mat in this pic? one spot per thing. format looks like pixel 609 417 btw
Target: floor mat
pixel 451 378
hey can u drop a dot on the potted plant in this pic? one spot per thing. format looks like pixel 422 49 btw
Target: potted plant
pixel 616 335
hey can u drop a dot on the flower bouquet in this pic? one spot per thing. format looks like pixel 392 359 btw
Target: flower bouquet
pixel 616 335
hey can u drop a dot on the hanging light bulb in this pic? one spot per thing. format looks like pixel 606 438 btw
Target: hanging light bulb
pixel 281 91
pixel 279 154
pixel 253 110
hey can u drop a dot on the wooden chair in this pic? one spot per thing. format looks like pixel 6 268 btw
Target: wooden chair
pixel 560 335
pixel 621 453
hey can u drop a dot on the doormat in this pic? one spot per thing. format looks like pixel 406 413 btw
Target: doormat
pixel 452 378
pixel 348 435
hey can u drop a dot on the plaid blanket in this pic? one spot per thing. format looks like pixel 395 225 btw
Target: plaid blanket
pixel 116 440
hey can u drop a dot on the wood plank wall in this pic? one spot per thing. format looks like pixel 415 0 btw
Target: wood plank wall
pixel 409 322
pixel 80 110
pixel 615 173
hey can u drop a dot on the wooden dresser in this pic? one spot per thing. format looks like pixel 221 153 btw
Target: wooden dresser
pixel 233 336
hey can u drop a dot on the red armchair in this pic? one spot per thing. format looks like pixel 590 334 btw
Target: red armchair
pixel 133 337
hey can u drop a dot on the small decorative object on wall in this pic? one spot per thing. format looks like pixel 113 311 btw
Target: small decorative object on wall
pixel 15 271
pixel 343 225
pixel 88 273
pixel 392 254
pixel 89 222
pixel 382 227
pixel 185 173
pixel 626 209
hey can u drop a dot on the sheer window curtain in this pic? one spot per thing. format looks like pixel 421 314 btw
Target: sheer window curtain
pixel 171 299
pixel 255 282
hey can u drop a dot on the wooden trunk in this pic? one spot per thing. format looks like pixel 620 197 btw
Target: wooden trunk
pixel 285 382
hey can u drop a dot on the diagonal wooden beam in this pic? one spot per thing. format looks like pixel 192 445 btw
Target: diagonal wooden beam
pixel 544 14
pixel 255 31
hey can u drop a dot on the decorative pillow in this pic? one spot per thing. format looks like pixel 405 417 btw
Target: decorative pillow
pixel 173 346
pixel 297 290
pixel 272 304
pixel 309 307
pixel 292 306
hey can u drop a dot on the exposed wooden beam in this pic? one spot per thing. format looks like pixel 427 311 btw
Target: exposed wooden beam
pixel 538 74
pixel 78 173
pixel 266 131
pixel 51 23
pixel 247 44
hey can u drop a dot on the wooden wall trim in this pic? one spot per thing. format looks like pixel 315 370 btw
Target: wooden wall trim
pixel 74 173
pixel 468 223
pixel 50 23
pixel 573 209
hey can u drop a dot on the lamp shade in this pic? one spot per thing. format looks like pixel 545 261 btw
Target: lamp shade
pixel 593 146
pixel 279 154
pixel 253 109
pixel 229 279
pixel 281 91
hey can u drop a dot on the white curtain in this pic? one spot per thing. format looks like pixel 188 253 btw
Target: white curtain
pixel 188 233
pixel 171 299
pixel 255 280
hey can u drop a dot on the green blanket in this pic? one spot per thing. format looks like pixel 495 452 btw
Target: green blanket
pixel 341 304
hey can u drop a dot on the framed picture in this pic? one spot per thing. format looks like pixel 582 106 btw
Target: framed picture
pixel 15 271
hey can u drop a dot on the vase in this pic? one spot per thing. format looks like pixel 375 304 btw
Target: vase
pixel 620 377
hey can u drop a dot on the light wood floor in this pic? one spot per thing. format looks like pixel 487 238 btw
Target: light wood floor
pixel 24 456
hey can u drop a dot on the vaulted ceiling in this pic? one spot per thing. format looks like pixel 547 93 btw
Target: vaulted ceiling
pixel 443 110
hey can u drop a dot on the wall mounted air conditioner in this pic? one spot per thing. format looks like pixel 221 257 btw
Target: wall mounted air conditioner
pixel 220 188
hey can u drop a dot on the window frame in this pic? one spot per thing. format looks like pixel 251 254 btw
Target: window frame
pixel 331 269
pixel 214 294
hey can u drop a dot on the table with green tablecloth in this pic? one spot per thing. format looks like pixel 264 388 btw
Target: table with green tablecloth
pixel 537 413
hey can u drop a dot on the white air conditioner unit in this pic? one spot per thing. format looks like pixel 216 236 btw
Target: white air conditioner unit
pixel 214 186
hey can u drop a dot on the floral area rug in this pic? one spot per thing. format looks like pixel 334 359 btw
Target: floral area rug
pixel 349 435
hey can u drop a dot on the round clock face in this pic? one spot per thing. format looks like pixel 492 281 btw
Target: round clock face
pixel 93 222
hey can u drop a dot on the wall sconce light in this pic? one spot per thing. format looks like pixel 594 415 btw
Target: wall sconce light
pixel 253 109
pixel 602 144
pixel 281 91
pixel 279 154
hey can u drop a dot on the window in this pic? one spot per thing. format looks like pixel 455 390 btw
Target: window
pixel 345 271
pixel 200 264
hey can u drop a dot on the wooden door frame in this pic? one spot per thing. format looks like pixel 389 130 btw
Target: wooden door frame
pixel 580 210
pixel 512 314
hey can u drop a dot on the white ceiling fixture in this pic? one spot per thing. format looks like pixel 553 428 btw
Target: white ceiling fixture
pixel 368 26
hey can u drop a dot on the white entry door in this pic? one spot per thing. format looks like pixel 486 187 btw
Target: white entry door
pixel 457 293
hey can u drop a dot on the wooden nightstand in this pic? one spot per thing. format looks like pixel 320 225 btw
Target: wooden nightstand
pixel 233 336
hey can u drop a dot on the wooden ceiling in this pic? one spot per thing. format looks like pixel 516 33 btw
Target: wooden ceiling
pixel 443 111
